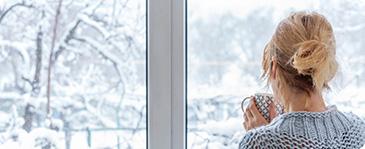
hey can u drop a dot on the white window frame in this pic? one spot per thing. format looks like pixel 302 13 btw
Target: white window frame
pixel 166 74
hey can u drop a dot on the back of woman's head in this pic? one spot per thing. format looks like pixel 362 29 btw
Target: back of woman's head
pixel 303 47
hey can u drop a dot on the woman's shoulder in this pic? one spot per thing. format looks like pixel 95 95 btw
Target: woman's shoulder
pixel 263 136
pixel 355 122
pixel 251 139
pixel 355 135
pixel 354 117
pixel 258 137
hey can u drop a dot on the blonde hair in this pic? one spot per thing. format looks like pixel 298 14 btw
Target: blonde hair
pixel 304 47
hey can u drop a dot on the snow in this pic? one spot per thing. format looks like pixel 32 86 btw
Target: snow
pixel 20 139
pixel 96 82
pixel 95 25
pixel 21 47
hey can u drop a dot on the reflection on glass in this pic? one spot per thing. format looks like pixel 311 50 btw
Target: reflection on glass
pixel 73 74
pixel 225 45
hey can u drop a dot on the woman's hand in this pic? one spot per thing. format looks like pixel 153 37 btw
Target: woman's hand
pixel 252 117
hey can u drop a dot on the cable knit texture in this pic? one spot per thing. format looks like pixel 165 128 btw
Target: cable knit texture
pixel 329 129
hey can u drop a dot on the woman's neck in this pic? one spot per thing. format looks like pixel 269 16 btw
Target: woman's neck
pixel 303 102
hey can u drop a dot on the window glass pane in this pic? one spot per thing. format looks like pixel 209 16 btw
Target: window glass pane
pixel 95 54
pixel 225 47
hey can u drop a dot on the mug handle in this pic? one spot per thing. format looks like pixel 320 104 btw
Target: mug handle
pixel 243 101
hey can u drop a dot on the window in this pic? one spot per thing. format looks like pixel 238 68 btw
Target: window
pixel 225 45
pixel 73 73
pixel 155 74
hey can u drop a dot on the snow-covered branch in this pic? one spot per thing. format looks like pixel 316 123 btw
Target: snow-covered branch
pixel 5 12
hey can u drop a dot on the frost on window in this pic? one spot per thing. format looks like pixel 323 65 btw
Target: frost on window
pixel 72 74
pixel 225 45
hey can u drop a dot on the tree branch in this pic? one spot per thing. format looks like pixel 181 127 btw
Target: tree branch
pixel 2 16
pixel 37 74
pixel 67 39
pixel 58 12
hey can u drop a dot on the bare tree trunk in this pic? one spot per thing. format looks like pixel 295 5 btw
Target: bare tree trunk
pixel 29 108
pixel 66 129
pixel 51 59
pixel 28 117
pixel 37 74
pixel 68 135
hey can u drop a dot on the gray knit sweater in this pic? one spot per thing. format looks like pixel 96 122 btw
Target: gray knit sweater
pixel 329 129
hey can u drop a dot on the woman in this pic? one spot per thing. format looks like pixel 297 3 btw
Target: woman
pixel 298 63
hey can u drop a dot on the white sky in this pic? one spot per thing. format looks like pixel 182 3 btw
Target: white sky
pixel 205 8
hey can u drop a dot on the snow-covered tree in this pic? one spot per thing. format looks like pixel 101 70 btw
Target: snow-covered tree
pixel 72 64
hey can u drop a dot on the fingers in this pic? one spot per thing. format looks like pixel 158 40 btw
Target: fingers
pixel 256 115
pixel 272 111
pixel 253 109
pixel 245 117
pixel 252 116
pixel 249 114
pixel 245 126
pixel 246 123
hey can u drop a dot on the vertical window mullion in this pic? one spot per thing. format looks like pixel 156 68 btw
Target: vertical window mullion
pixel 178 74
pixel 166 104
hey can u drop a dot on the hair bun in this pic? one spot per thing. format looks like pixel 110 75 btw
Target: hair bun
pixel 317 59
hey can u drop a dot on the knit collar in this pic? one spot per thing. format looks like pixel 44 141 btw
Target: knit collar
pixel 330 109
pixel 312 124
